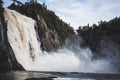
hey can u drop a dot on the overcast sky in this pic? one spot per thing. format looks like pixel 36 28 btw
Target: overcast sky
pixel 82 12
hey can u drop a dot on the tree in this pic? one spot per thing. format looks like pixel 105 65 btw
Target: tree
pixel 1 3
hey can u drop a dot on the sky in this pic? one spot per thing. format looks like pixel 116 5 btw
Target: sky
pixel 81 12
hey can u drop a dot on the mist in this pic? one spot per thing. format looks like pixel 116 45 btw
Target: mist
pixel 72 58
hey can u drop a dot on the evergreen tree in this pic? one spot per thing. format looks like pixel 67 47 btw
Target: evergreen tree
pixel 1 3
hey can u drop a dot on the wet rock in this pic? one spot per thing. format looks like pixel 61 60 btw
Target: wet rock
pixel 4 63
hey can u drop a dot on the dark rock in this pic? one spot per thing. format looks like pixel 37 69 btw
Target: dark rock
pixel 4 63
pixel 50 39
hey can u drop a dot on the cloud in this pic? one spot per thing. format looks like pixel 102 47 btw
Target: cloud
pixel 82 12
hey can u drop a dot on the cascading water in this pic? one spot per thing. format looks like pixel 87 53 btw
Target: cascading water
pixel 26 46
pixel 22 37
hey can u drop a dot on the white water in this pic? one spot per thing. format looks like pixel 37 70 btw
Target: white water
pixel 21 35
pixel 23 40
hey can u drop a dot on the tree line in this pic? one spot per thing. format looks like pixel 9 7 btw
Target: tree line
pixel 92 35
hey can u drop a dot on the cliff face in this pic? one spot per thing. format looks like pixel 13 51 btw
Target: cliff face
pixel 49 38
pixel 51 30
pixel 4 60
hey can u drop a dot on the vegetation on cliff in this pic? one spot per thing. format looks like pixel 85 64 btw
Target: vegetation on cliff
pixel 92 35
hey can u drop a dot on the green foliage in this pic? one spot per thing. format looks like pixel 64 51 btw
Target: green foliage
pixel 94 34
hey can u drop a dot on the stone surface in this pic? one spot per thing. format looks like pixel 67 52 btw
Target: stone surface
pixel 49 38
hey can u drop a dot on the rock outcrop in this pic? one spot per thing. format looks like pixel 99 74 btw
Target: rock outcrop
pixel 49 38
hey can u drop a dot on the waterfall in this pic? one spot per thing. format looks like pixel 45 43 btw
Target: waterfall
pixel 23 38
